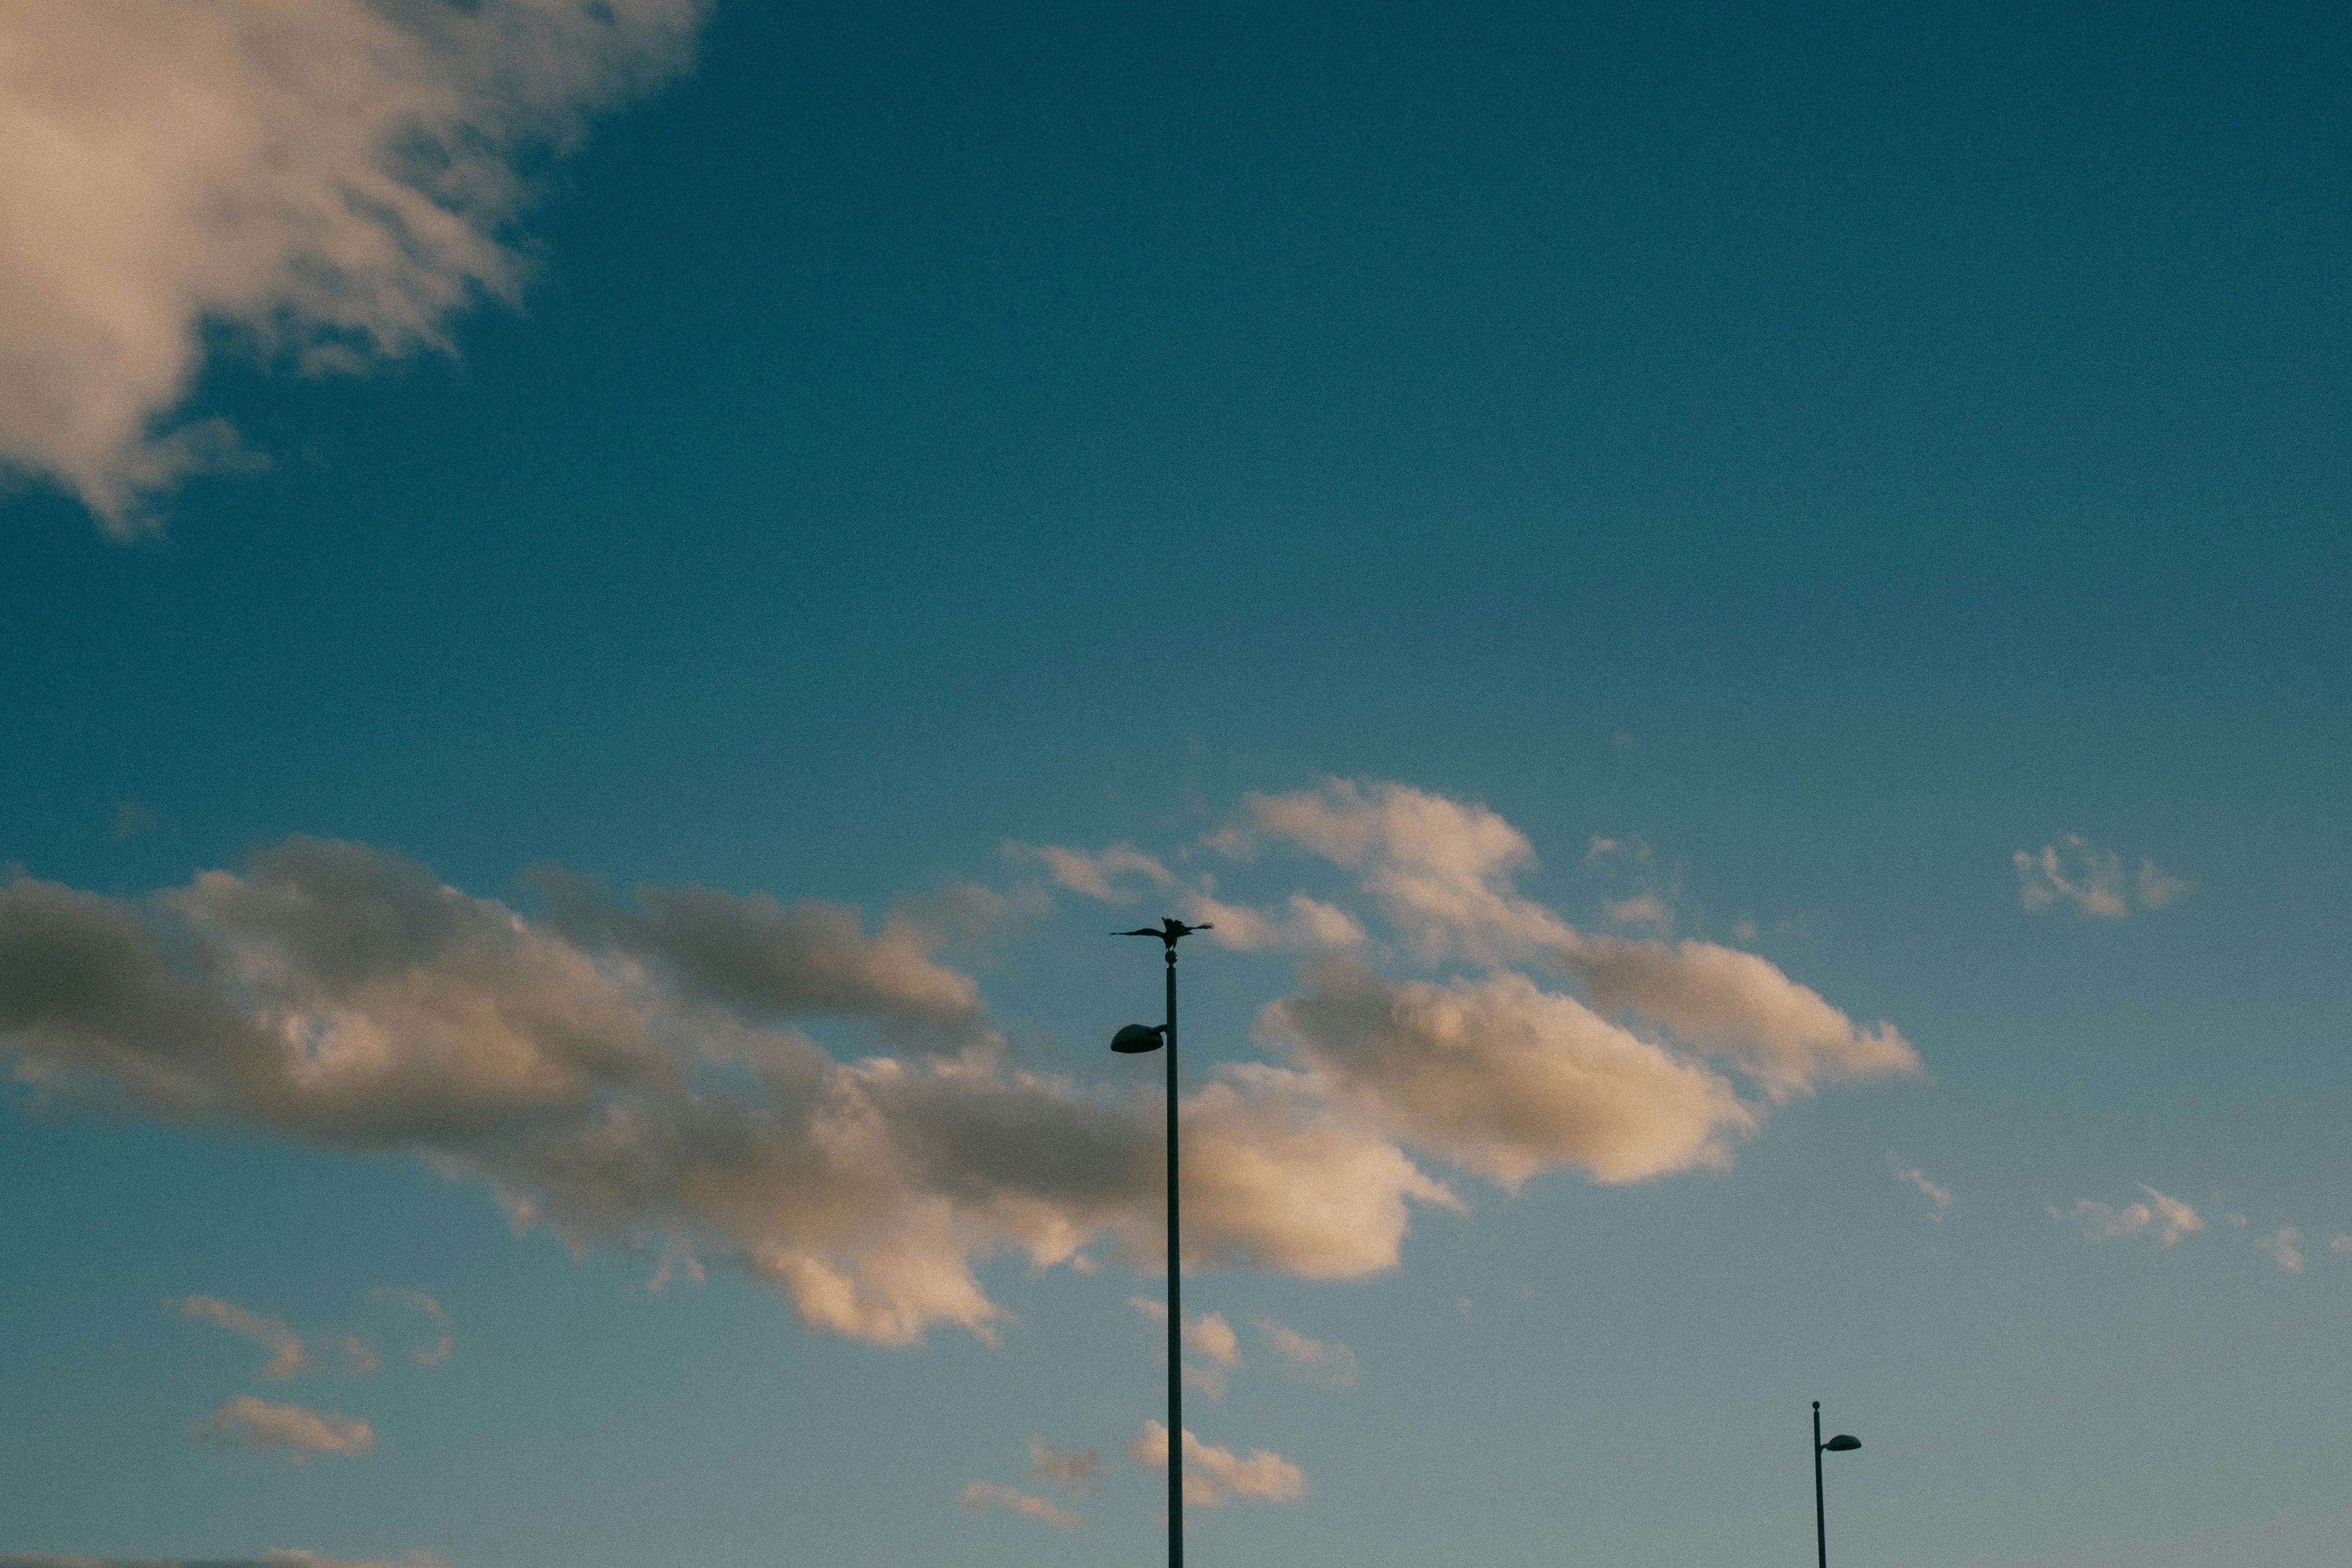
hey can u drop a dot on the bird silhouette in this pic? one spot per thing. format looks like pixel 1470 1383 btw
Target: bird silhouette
pixel 1169 929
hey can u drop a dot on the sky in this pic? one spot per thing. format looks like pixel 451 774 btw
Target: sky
pixel 1734 613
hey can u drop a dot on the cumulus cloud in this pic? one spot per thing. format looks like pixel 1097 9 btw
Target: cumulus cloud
pixel 2161 1219
pixel 293 1432
pixel 1939 1197
pixel 1445 872
pixel 1505 1079
pixel 631 1070
pixel 980 1496
pixel 332 180
pixel 2284 1247
pixel 277 1557
pixel 1076 1471
pixel 1327 1361
pixel 764 960
pixel 2092 878
pixel 1214 1475
pixel 624 1074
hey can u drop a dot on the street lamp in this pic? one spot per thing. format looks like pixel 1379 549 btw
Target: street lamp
pixel 1135 1040
pixel 1841 1444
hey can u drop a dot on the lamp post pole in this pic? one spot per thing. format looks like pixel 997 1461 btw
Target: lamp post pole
pixel 1821 1510
pixel 1134 1040
pixel 1844 1443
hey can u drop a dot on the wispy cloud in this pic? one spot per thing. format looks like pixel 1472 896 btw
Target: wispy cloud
pixel 1940 1198
pixel 335 179
pixel 1076 1470
pixel 2284 1247
pixel 436 1351
pixel 1327 1361
pixel 288 1357
pixel 1213 1475
pixel 292 1432
pixel 2091 877
pixel 1105 874
pixel 2160 1219
pixel 979 1496
pixel 289 1354
pixel 1209 1337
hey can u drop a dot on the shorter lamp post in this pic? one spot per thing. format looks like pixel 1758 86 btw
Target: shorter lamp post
pixel 1841 1444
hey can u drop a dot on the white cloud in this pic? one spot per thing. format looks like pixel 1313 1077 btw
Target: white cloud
pixel 2339 1243
pixel 1327 1361
pixel 1505 1079
pixel 1097 875
pixel 293 1432
pixel 1441 869
pixel 1444 873
pixel 346 998
pixel 1939 1197
pixel 631 1072
pixel 2284 1247
pixel 1076 1471
pixel 333 179
pixel 2092 878
pixel 2161 1219
pixel 1213 1475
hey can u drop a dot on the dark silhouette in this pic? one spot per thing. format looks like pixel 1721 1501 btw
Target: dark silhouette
pixel 1134 1040
pixel 1841 1444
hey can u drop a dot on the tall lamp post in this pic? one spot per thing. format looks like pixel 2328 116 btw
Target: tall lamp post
pixel 1134 1040
pixel 1841 1444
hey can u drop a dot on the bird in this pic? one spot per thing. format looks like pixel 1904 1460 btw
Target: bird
pixel 1169 929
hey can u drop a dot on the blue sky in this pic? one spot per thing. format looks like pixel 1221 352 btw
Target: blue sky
pixel 1576 495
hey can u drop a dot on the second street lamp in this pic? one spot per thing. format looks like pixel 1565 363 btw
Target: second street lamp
pixel 1134 1040
pixel 1844 1443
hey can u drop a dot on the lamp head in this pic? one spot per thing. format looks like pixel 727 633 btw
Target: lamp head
pixel 1844 1443
pixel 1138 1039
pixel 1169 929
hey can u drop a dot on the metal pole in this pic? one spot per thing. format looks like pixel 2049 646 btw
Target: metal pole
pixel 1175 1306
pixel 1821 1515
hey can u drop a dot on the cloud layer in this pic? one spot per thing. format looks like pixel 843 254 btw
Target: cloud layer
pixel 333 180
pixel 632 1071
pixel 638 1081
